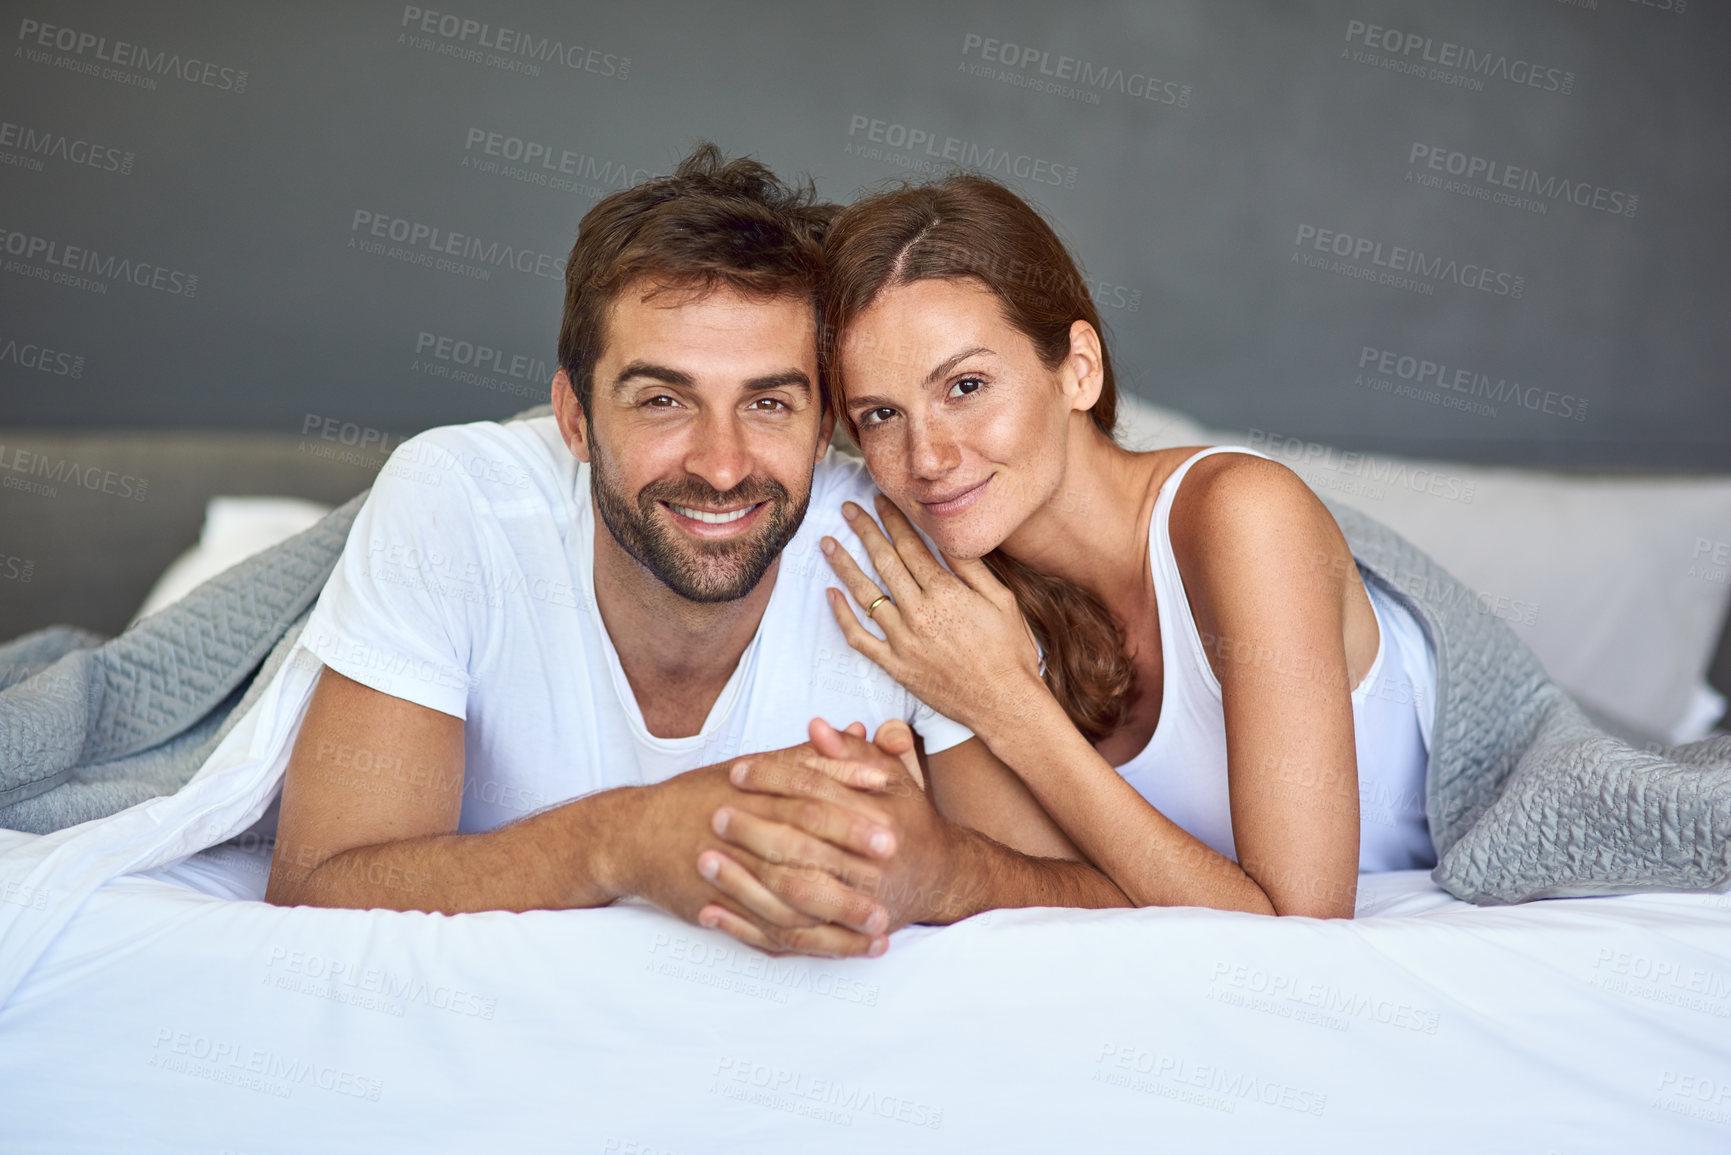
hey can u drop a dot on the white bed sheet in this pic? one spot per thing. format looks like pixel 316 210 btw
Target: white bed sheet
pixel 149 1002
pixel 175 1014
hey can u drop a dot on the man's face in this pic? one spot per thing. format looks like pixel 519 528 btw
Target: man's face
pixel 704 425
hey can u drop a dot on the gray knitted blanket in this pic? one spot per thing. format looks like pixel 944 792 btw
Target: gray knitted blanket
pixel 1527 797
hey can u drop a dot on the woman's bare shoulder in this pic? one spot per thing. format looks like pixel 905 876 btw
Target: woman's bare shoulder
pixel 1241 518
pixel 1239 488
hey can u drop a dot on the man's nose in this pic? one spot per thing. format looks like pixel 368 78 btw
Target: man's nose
pixel 718 452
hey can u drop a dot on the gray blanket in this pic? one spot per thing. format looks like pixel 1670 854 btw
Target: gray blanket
pixel 1527 797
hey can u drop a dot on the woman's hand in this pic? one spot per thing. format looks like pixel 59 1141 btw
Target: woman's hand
pixel 957 640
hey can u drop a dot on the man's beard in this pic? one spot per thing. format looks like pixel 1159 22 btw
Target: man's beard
pixel 699 571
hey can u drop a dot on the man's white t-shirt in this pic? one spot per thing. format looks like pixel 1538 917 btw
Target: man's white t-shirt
pixel 467 586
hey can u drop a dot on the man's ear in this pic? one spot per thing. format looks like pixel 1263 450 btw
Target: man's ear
pixel 1082 374
pixel 573 425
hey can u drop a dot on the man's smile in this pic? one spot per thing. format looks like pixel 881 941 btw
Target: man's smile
pixel 713 522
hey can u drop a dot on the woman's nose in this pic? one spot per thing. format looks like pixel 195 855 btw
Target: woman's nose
pixel 931 452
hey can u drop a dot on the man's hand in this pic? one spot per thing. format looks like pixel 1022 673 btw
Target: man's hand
pixel 672 856
pixel 921 846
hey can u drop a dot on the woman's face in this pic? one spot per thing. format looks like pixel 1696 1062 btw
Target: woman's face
pixel 960 423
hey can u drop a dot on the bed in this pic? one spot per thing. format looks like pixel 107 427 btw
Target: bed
pixel 149 1001
pixel 176 1013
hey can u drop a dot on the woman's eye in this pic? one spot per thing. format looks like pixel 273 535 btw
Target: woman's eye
pixel 876 416
pixel 966 386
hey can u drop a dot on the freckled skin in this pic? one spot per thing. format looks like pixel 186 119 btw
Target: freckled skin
pixel 983 447
pixel 997 414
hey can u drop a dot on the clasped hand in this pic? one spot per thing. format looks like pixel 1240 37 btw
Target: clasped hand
pixel 844 851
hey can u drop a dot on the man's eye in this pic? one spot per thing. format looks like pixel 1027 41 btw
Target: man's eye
pixel 660 401
pixel 769 404
pixel 966 386
pixel 876 416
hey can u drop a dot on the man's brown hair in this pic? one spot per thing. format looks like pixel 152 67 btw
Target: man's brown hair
pixel 715 223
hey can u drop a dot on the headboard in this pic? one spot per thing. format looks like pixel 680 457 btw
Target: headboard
pixel 92 519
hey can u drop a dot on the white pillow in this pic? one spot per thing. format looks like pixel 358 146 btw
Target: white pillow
pixel 235 528
pixel 1611 581
pixel 1142 427
pixel 1594 573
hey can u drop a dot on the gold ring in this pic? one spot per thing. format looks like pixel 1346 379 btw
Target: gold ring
pixel 877 601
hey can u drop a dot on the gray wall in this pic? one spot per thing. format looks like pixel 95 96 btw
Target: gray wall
pixel 1520 202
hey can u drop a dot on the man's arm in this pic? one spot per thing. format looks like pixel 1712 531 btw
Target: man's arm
pixel 370 807
pixel 373 796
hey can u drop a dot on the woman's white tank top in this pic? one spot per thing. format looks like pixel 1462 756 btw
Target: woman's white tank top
pixel 1182 770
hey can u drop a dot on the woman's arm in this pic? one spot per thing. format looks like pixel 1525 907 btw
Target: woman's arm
pixel 1270 577
pixel 1273 576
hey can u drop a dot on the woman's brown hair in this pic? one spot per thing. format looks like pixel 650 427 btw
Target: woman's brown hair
pixel 966 225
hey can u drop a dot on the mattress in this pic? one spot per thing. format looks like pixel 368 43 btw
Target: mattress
pixel 176 1012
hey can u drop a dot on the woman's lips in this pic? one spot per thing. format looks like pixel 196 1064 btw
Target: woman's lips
pixel 955 504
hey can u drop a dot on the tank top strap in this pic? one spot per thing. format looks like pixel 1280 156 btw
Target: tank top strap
pixel 1169 596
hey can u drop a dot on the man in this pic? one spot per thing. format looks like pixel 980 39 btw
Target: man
pixel 561 617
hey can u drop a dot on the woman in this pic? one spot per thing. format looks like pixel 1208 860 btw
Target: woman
pixel 1218 712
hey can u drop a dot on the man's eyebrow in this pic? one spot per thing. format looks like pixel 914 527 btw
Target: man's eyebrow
pixel 654 372
pixel 793 377
pixel 796 378
pixel 937 374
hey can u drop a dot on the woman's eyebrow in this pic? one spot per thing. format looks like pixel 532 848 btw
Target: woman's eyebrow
pixel 943 369
pixel 872 401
